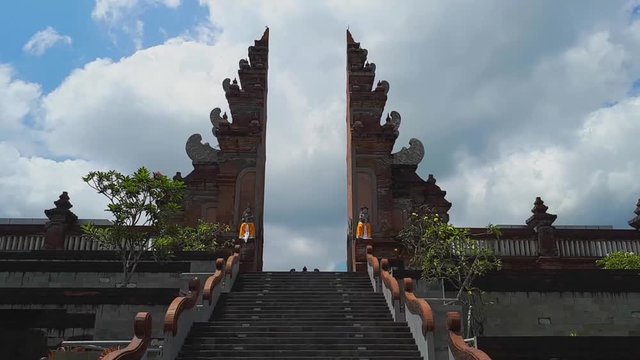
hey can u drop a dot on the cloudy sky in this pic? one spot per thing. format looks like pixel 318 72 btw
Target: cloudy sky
pixel 512 100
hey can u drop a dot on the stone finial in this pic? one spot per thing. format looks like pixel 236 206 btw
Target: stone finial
pixel 61 213
pixel 60 219
pixel 635 222
pixel 350 38
pixel 540 216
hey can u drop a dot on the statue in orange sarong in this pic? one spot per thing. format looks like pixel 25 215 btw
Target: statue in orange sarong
pixel 364 229
pixel 247 228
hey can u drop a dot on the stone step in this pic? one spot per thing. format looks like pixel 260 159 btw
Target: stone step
pixel 302 323
pixel 288 345
pixel 304 294
pixel 285 357
pixel 304 308
pixel 297 338
pixel 230 354
pixel 308 330
pixel 301 316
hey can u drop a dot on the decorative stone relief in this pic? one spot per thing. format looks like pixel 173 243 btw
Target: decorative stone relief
pixel 200 153
pixel 412 155
pixel 216 119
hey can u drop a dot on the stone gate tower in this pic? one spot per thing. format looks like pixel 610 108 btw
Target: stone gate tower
pixel 225 181
pixel 384 182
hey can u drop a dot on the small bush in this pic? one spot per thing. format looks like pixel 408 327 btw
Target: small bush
pixel 620 261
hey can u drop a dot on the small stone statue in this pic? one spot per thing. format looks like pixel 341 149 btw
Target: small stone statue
pixel 364 226
pixel 247 228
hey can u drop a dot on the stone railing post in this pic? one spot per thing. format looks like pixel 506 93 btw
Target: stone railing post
pixel 373 269
pixel 391 291
pixel 420 320
pixel 178 320
pixel 137 348
pixel 231 270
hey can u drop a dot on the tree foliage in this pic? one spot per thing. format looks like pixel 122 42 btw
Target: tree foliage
pixel 620 261
pixel 449 254
pixel 141 199
pixel 204 237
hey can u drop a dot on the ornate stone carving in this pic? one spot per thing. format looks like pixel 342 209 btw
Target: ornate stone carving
pixel 635 222
pixel 369 67
pixel 540 216
pixel 216 119
pixel 394 119
pixel 541 222
pixel 230 86
pixel 62 212
pixel 60 219
pixel 412 155
pixel 226 83
pixel 200 153
pixel 244 64
pixel 383 85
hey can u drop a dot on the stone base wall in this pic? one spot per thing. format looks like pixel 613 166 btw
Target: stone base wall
pixel 520 313
pixel 89 280
pixel 561 314
pixel 112 322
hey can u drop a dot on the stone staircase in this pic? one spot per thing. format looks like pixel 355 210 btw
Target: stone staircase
pixel 310 315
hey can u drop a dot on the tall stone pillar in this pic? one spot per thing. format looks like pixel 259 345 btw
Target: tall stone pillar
pixel 378 179
pixel 227 180
pixel 61 218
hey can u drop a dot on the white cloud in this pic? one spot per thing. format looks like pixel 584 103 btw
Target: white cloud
pixel 45 39
pixel 17 99
pixel 31 184
pixel 112 11
pixel 590 179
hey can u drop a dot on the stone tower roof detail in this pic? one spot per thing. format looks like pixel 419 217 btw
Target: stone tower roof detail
pixel 540 216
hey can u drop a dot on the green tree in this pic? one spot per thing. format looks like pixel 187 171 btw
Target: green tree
pixel 141 204
pixel 204 237
pixel 620 261
pixel 445 253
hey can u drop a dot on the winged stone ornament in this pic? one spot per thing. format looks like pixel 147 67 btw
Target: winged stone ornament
pixel 395 121
pixel 226 84
pixel 216 119
pixel 200 153
pixel 412 155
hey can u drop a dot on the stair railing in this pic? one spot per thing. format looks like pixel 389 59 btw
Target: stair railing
pixel 231 270
pixel 212 291
pixel 458 349
pixel 178 320
pixel 391 291
pixel 373 269
pixel 137 348
pixel 420 320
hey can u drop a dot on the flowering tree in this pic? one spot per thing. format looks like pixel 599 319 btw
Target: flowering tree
pixel 449 254
pixel 141 199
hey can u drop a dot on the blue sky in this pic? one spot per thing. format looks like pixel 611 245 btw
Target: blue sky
pixel 91 38
pixel 512 100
